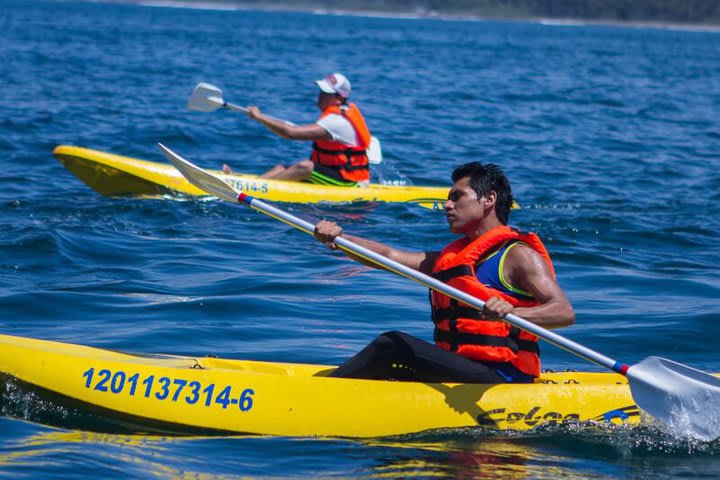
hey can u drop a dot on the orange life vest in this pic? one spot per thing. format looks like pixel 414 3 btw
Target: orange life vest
pixel 350 161
pixel 461 328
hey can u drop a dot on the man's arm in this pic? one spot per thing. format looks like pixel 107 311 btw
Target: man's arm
pixel 311 131
pixel 326 232
pixel 526 269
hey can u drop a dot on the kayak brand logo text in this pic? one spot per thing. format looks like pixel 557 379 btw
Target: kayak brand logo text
pixel 531 418
pixel 536 416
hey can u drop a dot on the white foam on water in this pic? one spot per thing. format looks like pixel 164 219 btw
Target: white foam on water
pixel 191 5
pixel 687 400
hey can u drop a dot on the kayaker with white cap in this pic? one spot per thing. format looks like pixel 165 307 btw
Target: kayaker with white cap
pixel 508 269
pixel 340 139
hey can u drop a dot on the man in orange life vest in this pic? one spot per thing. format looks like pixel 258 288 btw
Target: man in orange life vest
pixel 340 139
pixel 510 270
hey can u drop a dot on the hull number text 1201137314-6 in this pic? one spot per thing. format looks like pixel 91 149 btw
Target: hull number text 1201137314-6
pixel 166 388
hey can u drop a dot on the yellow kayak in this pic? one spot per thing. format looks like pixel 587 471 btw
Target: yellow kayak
pixel 287 399
pixel 110 174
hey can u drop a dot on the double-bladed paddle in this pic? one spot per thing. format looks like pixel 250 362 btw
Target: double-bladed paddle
pixel 208 98
pixel 686 399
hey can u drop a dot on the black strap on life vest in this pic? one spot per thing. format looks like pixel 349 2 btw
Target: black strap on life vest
pixel 452 272
pixel 457 338
pixel 456 311
pixel 348 152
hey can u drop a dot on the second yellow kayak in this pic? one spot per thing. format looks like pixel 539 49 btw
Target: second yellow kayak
pixel 111 174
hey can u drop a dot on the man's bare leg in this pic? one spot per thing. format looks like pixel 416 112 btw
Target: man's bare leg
pixel 294 173
pixel 273 171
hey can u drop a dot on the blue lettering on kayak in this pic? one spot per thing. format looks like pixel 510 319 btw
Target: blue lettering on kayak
pixel 168 389
pixel 248 186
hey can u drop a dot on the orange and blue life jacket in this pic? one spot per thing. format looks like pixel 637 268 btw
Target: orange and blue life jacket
pixel 461 328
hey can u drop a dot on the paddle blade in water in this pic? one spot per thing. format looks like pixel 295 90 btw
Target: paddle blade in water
pixel 200 178
pixel 686 399
pixel 205 98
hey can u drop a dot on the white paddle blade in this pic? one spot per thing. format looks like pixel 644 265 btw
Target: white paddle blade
pixel 202 179
pixel 374 151
pixel 205 98
pixel 686 399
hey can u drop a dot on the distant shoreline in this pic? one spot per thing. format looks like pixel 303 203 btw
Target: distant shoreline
pixel 417 15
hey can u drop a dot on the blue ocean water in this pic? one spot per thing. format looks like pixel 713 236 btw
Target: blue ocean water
pixel 609 136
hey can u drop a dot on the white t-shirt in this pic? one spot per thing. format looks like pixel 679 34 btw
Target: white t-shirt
pixel 339 128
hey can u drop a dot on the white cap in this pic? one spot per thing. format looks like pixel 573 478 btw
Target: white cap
pixel 335 83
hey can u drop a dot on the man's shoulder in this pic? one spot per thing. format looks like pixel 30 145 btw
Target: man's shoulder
pixel 523 257
pixel 339 128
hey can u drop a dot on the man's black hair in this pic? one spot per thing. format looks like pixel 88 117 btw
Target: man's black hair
pixel 485 179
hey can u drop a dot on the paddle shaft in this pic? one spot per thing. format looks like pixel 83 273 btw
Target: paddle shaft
pixel 212 184
pixel 437 285
pixel 234 108
pixel 238 108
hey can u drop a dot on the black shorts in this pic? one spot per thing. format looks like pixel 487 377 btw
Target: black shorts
pixel 399 356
